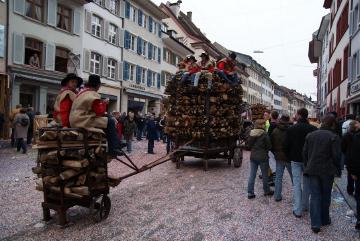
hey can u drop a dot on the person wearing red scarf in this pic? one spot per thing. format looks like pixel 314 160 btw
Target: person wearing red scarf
pixel 226 69
pixel 65 98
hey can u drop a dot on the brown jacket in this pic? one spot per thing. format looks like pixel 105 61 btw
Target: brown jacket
pixel 82 115
pixel 13 114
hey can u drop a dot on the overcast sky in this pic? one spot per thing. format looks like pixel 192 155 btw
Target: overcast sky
pixel 281 28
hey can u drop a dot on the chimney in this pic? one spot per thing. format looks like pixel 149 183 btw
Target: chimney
pixel 174 7
pixel 189 15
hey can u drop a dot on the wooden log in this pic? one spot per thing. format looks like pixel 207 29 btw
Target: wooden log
pixel 83 190
pixel 75 163
pixel 68 174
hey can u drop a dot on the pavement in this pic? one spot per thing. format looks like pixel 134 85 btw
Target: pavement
pixel 165 203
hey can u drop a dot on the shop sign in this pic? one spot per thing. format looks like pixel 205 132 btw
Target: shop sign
pixel 138 87
pixel 355 87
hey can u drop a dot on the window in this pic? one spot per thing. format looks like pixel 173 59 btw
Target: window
pixel 133 14
pixel 132 42
pixel 98 2
pixel 64 18
pixel 132 72
pixel 33 52
pixel 61 59
pixel 35 9
pixel 153 57
pixel 145 21
pixel 96 25
pixel 111 68
pixel 112 33
pixel 355 19
pixel 113 7
pixel 95 63
pixel 346 62
pixel 143 75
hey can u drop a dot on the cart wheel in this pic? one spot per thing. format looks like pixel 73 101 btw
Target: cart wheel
pixel 101 210
pixel 238 157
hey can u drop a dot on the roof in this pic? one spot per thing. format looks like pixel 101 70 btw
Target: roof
pixel 323 27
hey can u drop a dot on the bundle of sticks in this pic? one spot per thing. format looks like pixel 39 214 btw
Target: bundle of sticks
pixel 257 111
pixel 213 108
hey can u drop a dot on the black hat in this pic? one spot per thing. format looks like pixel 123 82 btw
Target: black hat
pixel 191 57
pixel 204 54
pixel 94 81
pixel 70 77
pixel 232 55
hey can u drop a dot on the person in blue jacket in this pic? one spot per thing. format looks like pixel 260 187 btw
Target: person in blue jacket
pixel 151 133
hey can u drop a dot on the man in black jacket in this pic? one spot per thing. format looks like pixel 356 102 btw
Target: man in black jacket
pixel 322 162
pixel 293 146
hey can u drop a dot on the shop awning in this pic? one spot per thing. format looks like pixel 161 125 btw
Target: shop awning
pixel 143 93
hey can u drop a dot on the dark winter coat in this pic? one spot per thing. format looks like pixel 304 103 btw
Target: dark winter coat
pixel 295 139
pixel 277 142
pixel 260 145
pixel 129 129
pixel 322 153
pixel 272 127
pixel 346 144
pixel 353 161
pixel 151 130
pixel 20 130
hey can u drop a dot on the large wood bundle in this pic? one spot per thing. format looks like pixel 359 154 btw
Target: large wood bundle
pixel 211 109
pixel 67 166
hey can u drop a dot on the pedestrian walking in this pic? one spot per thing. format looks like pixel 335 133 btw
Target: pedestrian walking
pixel 293 146
pixel 277 142
pixel 346 144
pixel 12 115
pixel 353 167
pixel 259 143
pixel 129 130
pixel 21 126
pixel 151 133
pixel 322 162
pixel 140 122
pixel 274 116
pixel 31 114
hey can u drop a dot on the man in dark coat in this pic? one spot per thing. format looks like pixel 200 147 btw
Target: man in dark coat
pixel 31 114
pixel 293 146
pixel 322 162
pixel 151 133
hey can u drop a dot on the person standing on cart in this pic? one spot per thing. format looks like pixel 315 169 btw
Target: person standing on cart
pixel 65 99
pixel 88 112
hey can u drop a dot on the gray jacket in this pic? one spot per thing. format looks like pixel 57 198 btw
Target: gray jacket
pixel 322 153
pixel 259 143
pixel 20 131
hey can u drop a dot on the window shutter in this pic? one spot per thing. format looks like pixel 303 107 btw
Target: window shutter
pixel 150 50
pixel 159 55
pixel 50 56
pixel 164 54
pixel 138 74
pixel 19 6
pixel 358 64
pixel 107 4
pixel 150 24
pixel 117 37
pixel 126 71
pixel 122 9
pixel 140 17
pixel 106 30
pixel 120 71
pixel 139 45
pixel 121 37
pixel 52 12
pixel 158 81
pixel 351 26
pixel 127 9
pixel 86 60
pixel 18 48
pixel 149 76
pixel 163 78
pixel 105 66
pixel 159 30
pixel 76 22
pixel 127 40
pixel 350 69
pixel 88 17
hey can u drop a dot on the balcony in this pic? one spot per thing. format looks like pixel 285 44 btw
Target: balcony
pixel 314 51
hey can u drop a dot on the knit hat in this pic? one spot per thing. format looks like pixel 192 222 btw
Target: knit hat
pixel 232 55
pixel 94 81
pixel 71 77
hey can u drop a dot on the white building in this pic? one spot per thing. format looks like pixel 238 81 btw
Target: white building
pixel 354 62
pixel 45 43
pixel 142 57
pixel 338 56
pixel 102 43
pixel 278 99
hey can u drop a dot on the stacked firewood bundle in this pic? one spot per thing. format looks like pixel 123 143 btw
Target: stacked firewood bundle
pixel 213 108
pixel 66 165
pixel 257 111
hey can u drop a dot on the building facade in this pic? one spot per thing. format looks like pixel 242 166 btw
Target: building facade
pixel 354 61
pixel 278 99
pixel 45 43
pixel 103 47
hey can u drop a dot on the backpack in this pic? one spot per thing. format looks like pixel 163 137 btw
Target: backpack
pixel 24 121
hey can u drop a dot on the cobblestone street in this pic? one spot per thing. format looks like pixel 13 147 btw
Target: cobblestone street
pixel 164 204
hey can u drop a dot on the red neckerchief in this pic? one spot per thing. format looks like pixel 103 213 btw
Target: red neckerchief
pixel 86 89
